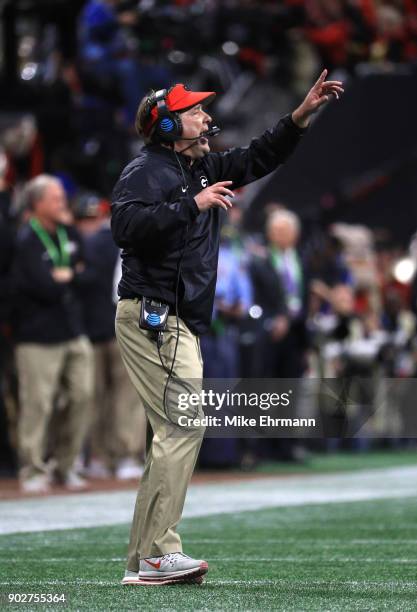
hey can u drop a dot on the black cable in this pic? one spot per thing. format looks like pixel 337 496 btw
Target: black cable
pixel 177 284
pixel 176 341
pixel 190 145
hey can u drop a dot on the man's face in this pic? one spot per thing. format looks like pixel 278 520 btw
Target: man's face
pixel 195 121
pixel 53 203
pixel 282 234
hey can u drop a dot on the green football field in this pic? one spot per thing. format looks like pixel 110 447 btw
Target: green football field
pixel 336 556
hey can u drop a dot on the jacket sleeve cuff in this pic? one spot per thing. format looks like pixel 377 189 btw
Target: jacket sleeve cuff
pixel 193 208
pixel 288 121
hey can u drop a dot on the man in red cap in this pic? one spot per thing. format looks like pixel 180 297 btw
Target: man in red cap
pixel 166 219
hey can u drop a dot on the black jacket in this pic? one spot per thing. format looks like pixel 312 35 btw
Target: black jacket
pixel 7 242
pixel 268 292
pixel 269 289
pixel 101 256
pixel 45 311
pixel 157 223
pixel 284 358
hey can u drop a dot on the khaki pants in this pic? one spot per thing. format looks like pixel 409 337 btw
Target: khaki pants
pixel 42 369
pixel 170 457
pixel 119 424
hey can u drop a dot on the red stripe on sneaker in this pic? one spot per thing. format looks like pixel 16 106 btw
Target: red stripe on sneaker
pixel 155 565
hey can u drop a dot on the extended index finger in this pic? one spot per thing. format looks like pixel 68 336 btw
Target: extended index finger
pixel 321 78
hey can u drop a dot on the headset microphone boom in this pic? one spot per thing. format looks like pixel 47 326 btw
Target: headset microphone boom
pixel 213 131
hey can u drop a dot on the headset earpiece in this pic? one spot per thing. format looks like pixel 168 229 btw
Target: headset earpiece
pixel 168 126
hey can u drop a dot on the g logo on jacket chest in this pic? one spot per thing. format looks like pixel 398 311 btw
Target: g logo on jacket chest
pixel 203 181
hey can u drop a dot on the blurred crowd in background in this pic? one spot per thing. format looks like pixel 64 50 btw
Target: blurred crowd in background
pixel 290 303
pixel 82 66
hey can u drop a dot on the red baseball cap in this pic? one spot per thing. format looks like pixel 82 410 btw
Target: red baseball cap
pixel 180 98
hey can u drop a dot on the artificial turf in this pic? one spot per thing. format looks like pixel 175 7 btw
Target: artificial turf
pixel 340 556
pixel 342 461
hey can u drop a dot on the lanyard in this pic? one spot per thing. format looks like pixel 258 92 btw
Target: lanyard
pixel 288 266
pixel 281 261
pixel 59 256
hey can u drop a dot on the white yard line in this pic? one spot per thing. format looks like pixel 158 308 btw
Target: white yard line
pixel 112 508
pixel 249 560
pixel 363 585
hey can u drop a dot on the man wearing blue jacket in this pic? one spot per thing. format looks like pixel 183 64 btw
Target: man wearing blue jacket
pixel 165 217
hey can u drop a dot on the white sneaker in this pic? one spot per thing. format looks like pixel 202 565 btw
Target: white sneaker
pixel 73 482
pixel 79 465
pixel 173 568
pixel 36 484
pixel 97 469
pixel 128 469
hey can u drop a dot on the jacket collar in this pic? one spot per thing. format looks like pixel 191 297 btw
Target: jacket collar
pixel 168 153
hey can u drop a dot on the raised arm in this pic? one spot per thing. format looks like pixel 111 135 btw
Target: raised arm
pixel 243 165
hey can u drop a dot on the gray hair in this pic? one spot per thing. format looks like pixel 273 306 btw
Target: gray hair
pixel 35 189
pixel 283 215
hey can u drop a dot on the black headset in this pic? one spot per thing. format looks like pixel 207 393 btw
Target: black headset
pixel 168 126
